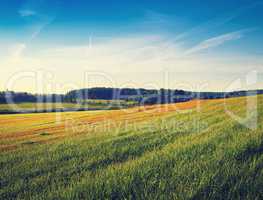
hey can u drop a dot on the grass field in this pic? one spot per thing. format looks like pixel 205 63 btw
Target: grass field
pixel 49 107
pixel 191 150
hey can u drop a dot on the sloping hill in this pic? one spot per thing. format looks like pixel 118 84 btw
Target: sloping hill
pixel 192 150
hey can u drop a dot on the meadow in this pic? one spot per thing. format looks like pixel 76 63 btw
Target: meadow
pixel 94 104
pixel 191 150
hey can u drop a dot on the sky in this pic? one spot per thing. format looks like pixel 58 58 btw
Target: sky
pixel 53 46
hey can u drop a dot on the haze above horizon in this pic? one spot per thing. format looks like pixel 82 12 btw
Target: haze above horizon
pixel 55 46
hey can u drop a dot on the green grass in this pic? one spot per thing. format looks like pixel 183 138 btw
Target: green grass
pixel 201 154
pixel 42 107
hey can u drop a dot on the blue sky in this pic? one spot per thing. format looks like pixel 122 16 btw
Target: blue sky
pixel 202 45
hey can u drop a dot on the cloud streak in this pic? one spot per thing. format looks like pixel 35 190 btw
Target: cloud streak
pixel 36 16
pixel 218 21
pixel 139 60
pixel 216 41
pixel 16 51
pixel 27 13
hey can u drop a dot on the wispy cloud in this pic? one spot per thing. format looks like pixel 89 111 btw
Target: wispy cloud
pixel 27 12
pixel 16 51
pixel 144 59
pixel 36 15
pixel 216 41
pixel 217 22
pixel 37 21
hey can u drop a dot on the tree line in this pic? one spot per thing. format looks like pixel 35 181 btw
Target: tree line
pixel 140 95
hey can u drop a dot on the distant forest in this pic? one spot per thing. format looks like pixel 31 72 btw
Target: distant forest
pixel 141 96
